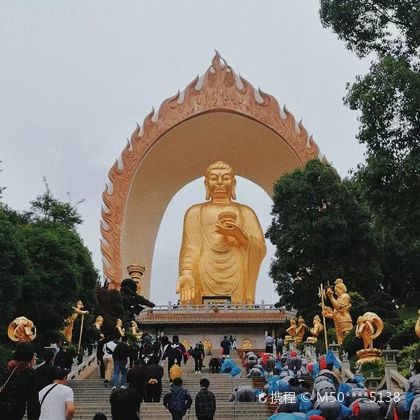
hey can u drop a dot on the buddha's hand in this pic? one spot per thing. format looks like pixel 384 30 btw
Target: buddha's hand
pixel 234 230
pixel 185 286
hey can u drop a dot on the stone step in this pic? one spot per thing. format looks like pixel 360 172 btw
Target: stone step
pixel 91 396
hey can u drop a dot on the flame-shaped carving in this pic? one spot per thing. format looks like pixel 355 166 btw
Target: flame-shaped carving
pixel 218 89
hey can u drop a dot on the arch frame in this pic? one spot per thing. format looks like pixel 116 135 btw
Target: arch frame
pixel 219 90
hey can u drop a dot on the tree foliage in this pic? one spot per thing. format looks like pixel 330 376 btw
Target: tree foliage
pixel 14 264
pixel 374 25
pixel 47 209
pixel 389 104
pixel 320 232
pixel 44 266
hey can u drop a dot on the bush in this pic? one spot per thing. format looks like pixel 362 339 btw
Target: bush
pixel 351 343
pixel 375 368
pixel 404 336
pixel 406 357
pixel 358 305
pixel 6 354
pixel 388 332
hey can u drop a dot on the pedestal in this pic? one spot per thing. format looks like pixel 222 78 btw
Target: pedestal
pixel 208 322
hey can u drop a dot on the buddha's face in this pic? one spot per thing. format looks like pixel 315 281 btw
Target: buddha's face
pixel 220 183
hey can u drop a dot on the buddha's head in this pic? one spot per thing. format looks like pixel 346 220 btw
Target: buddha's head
pixel 220 181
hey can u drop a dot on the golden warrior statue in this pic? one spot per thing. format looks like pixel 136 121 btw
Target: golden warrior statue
pixel 222 245
pixel 67 331
pixel 340 311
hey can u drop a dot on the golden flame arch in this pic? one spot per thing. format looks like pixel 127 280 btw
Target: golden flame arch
pixel 218 115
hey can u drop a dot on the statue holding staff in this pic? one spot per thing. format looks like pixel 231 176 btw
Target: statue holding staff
pixel 67 331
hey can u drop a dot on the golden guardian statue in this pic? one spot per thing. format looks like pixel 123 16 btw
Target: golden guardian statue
pixel 340 311
pixel 369 326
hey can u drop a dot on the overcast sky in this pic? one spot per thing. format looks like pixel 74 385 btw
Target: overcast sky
pixel 76 76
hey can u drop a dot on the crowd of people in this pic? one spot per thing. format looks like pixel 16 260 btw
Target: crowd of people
pixel 316 391
pixel 298 388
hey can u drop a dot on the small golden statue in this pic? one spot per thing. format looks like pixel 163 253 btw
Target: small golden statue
pixel 316 329
pixel 369 326
pixel 417 328
pixel 136 272
pixel 247 345
pixel 186 344
pixel 97 326
pixel 291 332
pixel 67 331
pixel 340 311
pixel 207 346
pixel 21 329
pixel 120 328
pixel 135 330
pixel 301 330
pixel 223 244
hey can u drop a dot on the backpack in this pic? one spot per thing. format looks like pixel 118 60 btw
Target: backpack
pixel 177 402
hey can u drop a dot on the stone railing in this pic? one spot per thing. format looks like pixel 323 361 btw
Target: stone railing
pixel 85 368
pixel 220 307
pixel 392 380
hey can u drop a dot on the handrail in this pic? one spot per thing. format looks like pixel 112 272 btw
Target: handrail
pixel 217 307
pixel 85 368
pixel 399 379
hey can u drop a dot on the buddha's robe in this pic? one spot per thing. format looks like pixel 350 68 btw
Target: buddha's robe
pixel 220 266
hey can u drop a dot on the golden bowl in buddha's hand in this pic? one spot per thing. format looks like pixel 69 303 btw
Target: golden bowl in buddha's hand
pixel 227 217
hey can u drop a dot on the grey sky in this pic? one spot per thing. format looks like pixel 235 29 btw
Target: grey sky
pixel 76 76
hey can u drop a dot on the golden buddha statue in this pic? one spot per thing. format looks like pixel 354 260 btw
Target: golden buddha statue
pixel 120 328
pixel 135 330
pixel 186 344
pixel 222 245
pixel 207 346
pixel 316 329
pixel 247 345
pixel 417 327
pixel 300 330
pixel 291 332
pixel 340 310
pixel 67 331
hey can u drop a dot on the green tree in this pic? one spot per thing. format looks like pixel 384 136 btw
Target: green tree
pixel 14 264
pixel 320 232
pixel 374 25
pixel 61 273
pixel 389 104
pixel 44 264
pixel 47 209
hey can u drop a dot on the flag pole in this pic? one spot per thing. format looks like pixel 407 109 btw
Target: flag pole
pixel 322 294
pixel 80 335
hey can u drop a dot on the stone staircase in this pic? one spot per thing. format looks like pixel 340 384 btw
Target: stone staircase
pixel 91 397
